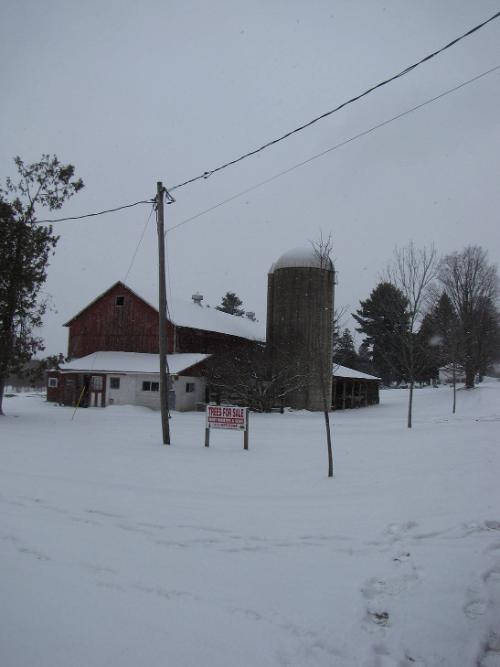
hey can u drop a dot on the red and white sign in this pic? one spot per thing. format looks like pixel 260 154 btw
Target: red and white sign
pixel 226 416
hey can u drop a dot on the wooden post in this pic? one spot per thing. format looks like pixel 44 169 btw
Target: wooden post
pixel 162 315
pixel 245 435
pixel 207 437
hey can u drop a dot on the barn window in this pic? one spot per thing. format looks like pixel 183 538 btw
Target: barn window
pixel 114 383
pixel 189 387
pixel 120 300
pixel 150 386
pixel 96 383
pixel 53 382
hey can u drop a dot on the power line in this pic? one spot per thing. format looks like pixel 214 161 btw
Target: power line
pixel 207 174
pixel 333 148
pixel 138 245
pixel 91 215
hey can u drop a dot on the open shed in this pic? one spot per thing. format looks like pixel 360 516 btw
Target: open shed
pixel 353 389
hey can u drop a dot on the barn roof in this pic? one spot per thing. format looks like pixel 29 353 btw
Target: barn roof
pixel 185 314
pixel 118 283
pixel 132 362
pixel 193 316
pixel 345 372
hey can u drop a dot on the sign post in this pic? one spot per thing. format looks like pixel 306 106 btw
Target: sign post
pixel 228 417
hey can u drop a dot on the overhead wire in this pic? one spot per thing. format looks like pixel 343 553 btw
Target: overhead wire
pixel 91 215
pixel 333 148
pixel 206 174
pixel 141 238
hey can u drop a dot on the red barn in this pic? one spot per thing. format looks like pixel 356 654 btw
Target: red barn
pixel 120 320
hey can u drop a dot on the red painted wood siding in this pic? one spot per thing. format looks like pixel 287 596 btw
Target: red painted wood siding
pixel 104 325
pixel 133 327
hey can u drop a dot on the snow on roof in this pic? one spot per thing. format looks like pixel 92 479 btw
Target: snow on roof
pixel 132 362
pixel 189 314
pixel 345 372
pixel 300 257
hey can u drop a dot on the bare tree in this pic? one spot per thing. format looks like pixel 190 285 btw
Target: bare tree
pixel 323 249
pixel 247 377
pixel 472 286
pixel 412 271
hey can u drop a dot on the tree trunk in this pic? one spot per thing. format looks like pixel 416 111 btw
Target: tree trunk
pixel 410 404
pixel 2 388
pixel 329 443
pixel 469 375
pixel 454 389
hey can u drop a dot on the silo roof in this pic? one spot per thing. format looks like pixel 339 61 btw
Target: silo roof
pixel 301 258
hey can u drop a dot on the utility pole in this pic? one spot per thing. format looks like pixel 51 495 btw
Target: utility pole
pixel 162 314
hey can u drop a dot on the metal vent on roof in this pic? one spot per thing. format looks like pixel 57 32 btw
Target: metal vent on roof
pixel 197 298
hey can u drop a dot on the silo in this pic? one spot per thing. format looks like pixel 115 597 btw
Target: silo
pixel 300 324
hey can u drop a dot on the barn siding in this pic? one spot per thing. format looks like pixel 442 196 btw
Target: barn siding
pixel 103 325
pixel 207 342
pixel 133 327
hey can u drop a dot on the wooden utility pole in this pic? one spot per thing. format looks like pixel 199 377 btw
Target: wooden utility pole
pixel 162 315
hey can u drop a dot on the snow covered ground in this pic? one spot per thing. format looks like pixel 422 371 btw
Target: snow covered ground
pixel 115 550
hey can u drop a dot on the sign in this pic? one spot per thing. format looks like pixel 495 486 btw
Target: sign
pixel 226 416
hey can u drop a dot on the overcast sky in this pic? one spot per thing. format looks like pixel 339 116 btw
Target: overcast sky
pixel 135 92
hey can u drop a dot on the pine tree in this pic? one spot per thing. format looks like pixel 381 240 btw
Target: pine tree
pixel 230 303
pixel 25 248
pixel 364 362
pixel 383 318
pixel 344 352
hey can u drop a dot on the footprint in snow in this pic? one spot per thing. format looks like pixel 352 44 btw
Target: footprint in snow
pixel 476 605
pixel 392 586
pixel 489 654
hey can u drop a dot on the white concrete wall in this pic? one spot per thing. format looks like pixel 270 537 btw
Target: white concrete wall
pixel 184 400
pixel 123 396
pixel 149 399
pixel 131 392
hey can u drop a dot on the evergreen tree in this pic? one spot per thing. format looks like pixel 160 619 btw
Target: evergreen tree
pixel 427 353
pixel 383 318
pixel 25 248
pixel 344 352
pixel 230 303
pixel 364 362
pixel 444 332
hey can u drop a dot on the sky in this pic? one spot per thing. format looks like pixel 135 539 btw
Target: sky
pixel 135 93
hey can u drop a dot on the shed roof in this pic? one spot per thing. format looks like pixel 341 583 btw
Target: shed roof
pixel 132 362
pixel 345 372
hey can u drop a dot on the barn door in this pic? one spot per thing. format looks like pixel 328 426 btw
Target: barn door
pixel 97 391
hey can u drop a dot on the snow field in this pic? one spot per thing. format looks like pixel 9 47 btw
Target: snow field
pixel 116 550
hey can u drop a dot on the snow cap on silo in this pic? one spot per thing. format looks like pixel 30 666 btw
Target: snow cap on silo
pixel 302 258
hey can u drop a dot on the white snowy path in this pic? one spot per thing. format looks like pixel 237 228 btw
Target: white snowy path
pixel 115 550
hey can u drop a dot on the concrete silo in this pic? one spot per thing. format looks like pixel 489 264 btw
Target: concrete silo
pixel 300 297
